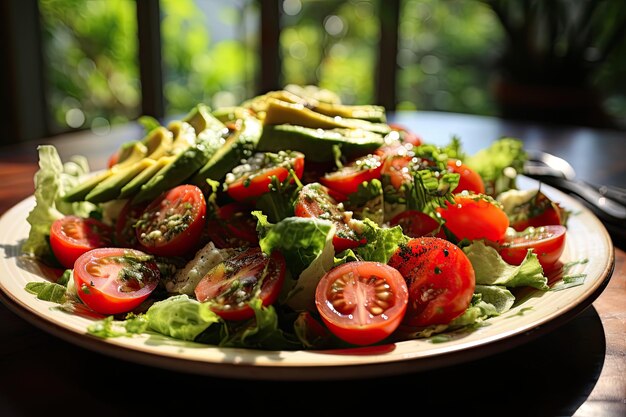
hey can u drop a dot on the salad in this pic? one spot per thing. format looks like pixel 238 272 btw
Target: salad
pixel 292 221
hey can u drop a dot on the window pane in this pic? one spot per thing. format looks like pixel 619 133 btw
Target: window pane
pixel 209 52
pixel 92 74
pixel 446 55
pixel 332 44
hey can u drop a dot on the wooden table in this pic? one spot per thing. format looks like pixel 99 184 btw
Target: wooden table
pixel 578 369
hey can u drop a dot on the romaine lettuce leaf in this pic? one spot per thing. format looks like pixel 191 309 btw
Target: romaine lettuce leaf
pixel 299 239
pixel 491 269
pixel 180 317
pixel 381 242
pixel 51 180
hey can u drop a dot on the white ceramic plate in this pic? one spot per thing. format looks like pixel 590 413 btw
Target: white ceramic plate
pixel 544 311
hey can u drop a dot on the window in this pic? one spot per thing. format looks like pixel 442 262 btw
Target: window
pixel 91 64
pixel 90 59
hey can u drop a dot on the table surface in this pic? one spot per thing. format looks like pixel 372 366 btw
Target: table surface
pixel 578 369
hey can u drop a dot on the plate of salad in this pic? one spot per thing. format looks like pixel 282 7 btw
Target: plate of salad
pixel 296 237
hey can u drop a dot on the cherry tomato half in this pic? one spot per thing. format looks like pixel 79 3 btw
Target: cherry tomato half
pixel 475 216
pixel 231 284
pixel 115 280
pixel 440 279
pixel 547 242
pixel 469 180
pixel 314 200
pixel 362 302
pixel 406 135
pixel 347 179
pixel 250 180
pixel 234 228
pixel 172 224
pixel 71 236
pixel 536 212
pixel 396 167
pixel 125 233
pixel 415 223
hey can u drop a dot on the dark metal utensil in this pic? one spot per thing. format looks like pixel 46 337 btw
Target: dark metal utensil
pixel 557 172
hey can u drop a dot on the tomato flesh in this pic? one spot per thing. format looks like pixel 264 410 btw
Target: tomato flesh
pixel 415 223
pixel 347 179
pixel 440 279
pixel 314 200
pixel 547 242
pixel 234 228
pixel 249 181
pixel 230 285
pixel 125 233
pixel 536 212
pixel 406 135
pixel 475 216
pixel 469 180
pixel 172 224
pixel 115 280
pixel 71 236
pixel 362 302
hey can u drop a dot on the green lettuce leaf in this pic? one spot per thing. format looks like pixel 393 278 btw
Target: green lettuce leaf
pixel 262 332
pixel 299 239
pixel 180 317
pixel 52 180
pixel 496 295
pixel 499 164
pixel 381 242
pixel 491 269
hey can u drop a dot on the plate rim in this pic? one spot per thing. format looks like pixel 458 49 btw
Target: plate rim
pixel 316 371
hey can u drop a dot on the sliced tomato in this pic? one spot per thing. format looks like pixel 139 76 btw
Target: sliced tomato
pixel 440 279
pixel 232 284
pixel 172 224
pixel 469 180
pixel 475 216
pixel 406 135
pixel 71 236
pixel 362 302
pixel 347 179
pixel 250 180
pixel 547 242
pixel 125 232
pixel 415 223
pixel 538 211
pixel 397 168
pixel 234 228
pixel 314 200
pixel 115 280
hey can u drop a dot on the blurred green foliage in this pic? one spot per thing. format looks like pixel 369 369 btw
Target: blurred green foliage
pixel 332 44
pixel 90 48
pixel 198 68
pixel 447 55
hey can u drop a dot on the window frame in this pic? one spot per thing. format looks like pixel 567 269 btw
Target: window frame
pixel 23 106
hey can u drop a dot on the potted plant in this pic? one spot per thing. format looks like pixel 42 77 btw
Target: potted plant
pixel 554 51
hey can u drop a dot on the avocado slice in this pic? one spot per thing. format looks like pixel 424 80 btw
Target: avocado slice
pixel 370 113
pixel 201 119
pixel 81 190
pixel 134 185
pixel 185 164
pixel 317 144
pixel 153 146
pixel 158 142
pixel 131 152
pixel 239 145
pixel 184 136
pixel 281 112
pixel 110 188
